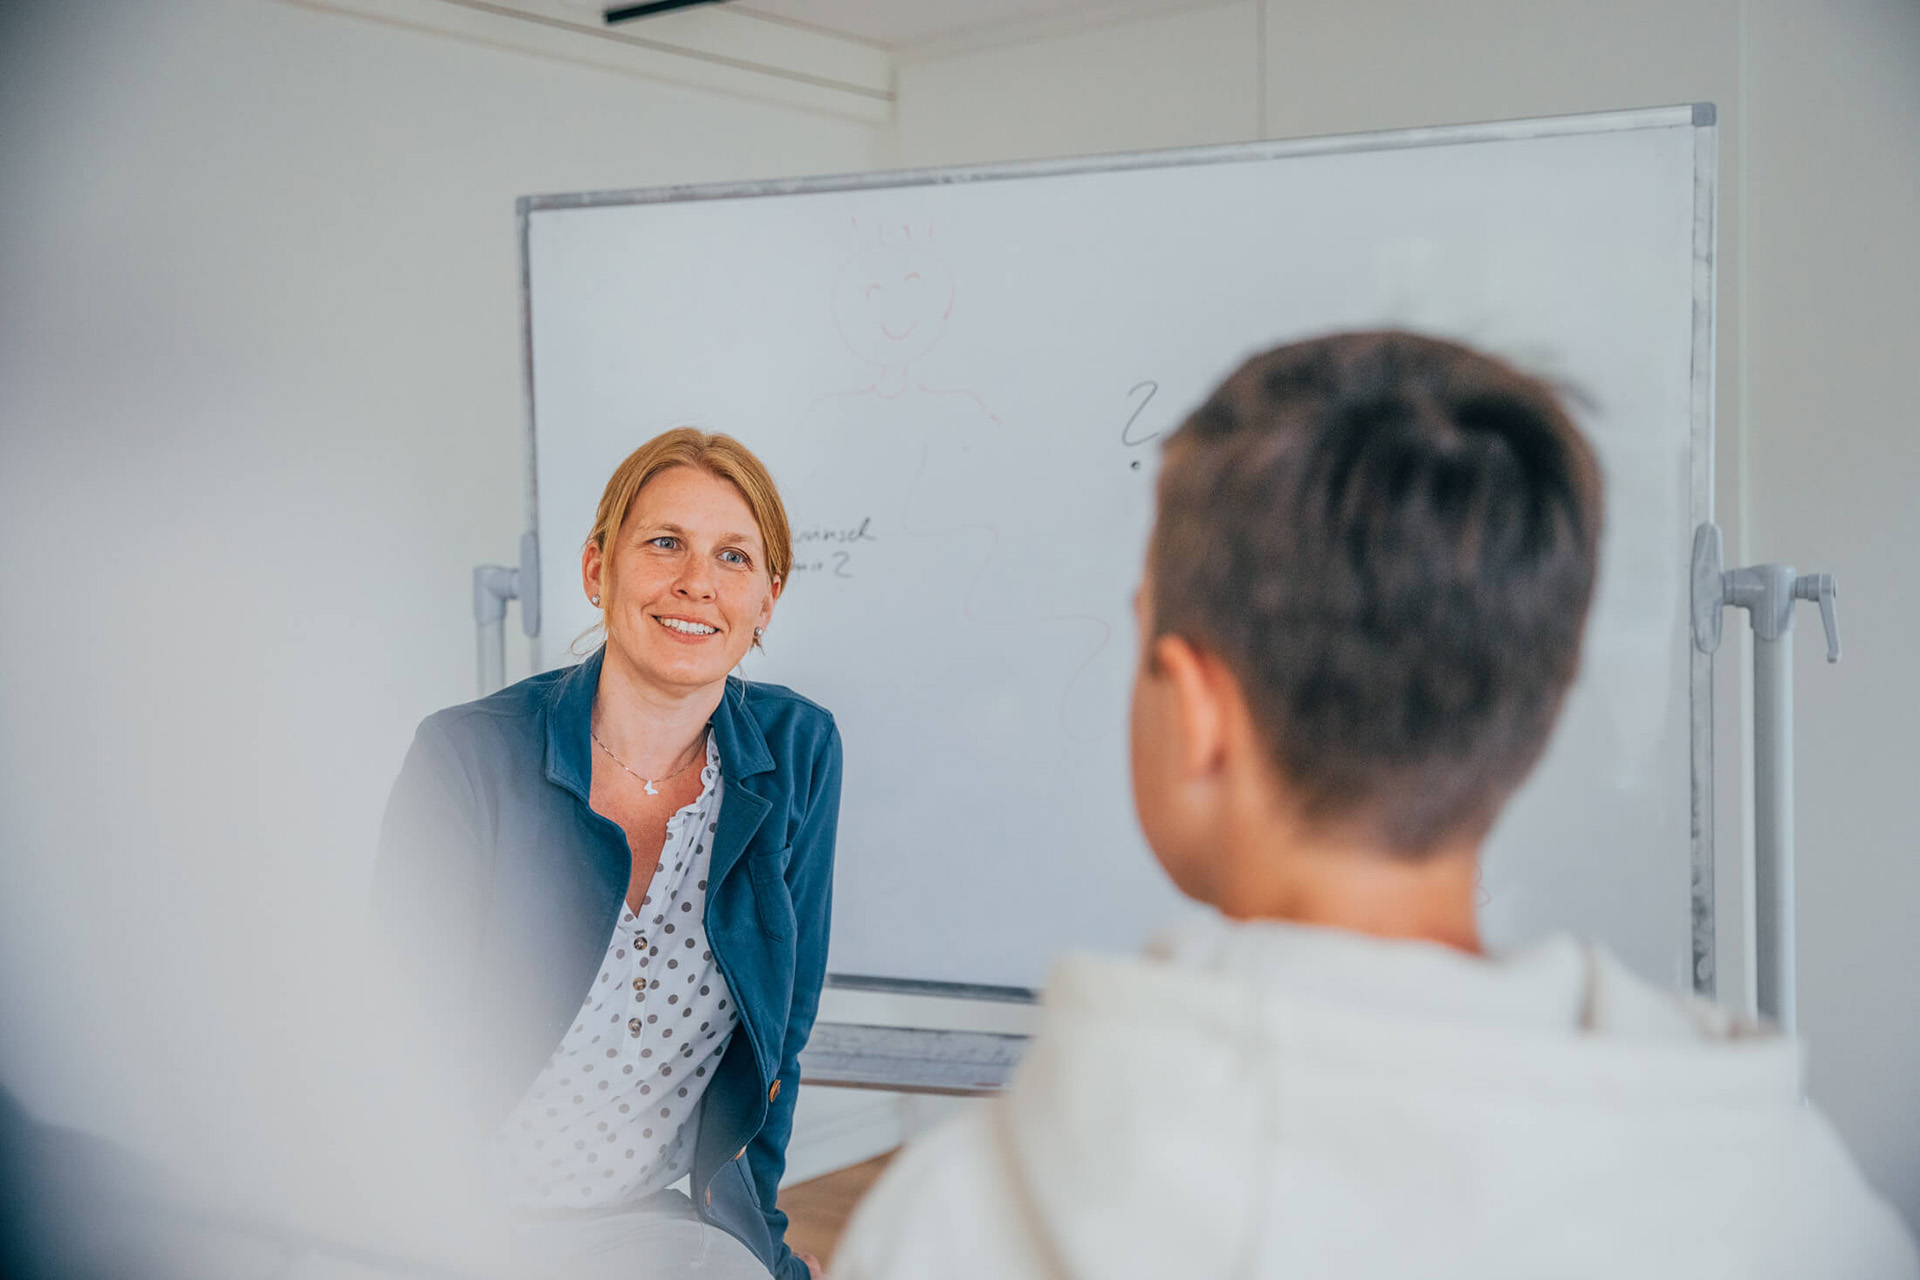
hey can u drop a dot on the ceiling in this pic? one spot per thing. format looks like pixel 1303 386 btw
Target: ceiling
pixel 898 24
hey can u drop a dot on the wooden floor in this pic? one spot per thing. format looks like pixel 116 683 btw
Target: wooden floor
pixel 817 1211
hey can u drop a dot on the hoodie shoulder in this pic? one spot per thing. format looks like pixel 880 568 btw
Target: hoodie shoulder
pixel 946 1207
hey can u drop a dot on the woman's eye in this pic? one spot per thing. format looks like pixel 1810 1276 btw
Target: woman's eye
pixel 733 557
pixel 665 542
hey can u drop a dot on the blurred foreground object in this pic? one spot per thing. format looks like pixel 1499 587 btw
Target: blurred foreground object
pixel 77 1207
pixel 73 1206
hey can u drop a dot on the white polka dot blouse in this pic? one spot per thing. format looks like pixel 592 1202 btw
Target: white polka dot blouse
pixel 612 1116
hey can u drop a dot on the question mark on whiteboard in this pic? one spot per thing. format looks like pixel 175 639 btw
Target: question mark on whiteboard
pixel 1152 389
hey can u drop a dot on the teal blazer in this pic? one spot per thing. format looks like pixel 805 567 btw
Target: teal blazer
pixel 498 873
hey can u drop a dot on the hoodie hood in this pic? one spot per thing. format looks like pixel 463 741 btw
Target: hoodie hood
pixel 1275 1100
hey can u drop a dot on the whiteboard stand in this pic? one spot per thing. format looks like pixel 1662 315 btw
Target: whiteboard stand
pixel 992 992
pixel 907 1040
pixel 909 1059
pixel 493 586
pixel 1768 592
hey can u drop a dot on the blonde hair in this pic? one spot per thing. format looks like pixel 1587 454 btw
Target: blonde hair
pixel 720 456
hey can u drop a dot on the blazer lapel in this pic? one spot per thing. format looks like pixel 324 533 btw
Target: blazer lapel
pixel 569 715
pixel 743 755
pixel 744 760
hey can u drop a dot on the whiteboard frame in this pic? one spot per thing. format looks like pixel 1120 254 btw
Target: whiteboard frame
pixel 1701 117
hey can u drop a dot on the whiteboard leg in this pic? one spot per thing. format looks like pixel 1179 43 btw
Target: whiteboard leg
pixel 1773 825
pixel 493 586
pixel 492 666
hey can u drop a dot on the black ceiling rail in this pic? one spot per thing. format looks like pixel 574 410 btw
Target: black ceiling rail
pixel 627 13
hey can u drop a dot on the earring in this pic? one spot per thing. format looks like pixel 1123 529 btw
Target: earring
pixel 757 633
pixel 594 601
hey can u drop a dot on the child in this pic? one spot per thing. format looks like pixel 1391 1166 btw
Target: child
pixel 1361 611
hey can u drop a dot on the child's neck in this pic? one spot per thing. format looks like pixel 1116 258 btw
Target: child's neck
pixel 1338 884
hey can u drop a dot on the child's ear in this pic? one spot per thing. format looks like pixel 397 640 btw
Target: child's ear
pixel 1201 687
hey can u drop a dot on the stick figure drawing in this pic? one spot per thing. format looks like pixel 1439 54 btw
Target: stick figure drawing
pixel 893 298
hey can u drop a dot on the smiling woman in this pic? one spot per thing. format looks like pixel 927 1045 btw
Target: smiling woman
pixel 689 470
pixel 617 878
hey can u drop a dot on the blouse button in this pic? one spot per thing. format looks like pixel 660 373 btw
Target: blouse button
pixel 639 984
pixel 640 941
pixel 633 1026
pixel 773 1092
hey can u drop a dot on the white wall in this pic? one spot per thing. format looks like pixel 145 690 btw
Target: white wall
pixel 1833 324
pixel 1819 269
pixel 1163 81
pixel 260 413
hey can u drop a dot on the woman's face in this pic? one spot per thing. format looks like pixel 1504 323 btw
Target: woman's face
pixel 685 581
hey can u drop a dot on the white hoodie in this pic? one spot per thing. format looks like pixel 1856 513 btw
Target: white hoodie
pixel 1268 1100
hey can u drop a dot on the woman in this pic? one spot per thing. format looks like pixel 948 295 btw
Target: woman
pixel 619 874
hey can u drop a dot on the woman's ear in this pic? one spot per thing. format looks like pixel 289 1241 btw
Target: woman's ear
pixel 766 606
pixel 592 570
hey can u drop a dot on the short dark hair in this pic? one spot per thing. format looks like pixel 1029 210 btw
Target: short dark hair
pixel 1391 541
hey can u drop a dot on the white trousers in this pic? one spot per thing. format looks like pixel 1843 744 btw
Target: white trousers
pixel 661 1238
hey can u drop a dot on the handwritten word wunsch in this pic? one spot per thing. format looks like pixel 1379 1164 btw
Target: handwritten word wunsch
pixel 862 532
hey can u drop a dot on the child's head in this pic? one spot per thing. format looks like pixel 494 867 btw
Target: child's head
pixel 1371 569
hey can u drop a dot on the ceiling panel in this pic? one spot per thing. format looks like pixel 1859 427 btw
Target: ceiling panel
pixel 905 23
pixel 892 24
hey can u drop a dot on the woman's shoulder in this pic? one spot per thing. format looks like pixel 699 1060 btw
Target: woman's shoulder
pixel 776 702
pixel 793 726
pixel 506 720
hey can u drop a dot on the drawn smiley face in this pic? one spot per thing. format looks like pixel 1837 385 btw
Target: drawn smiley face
pixel 891 302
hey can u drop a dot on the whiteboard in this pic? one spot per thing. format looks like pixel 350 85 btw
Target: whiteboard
pixel 958 378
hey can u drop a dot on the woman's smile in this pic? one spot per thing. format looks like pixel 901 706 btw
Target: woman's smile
pixel 687 630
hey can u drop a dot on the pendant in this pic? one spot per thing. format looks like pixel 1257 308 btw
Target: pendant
pixel 651 790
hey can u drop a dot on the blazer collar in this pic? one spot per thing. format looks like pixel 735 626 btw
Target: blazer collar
pixel 743 747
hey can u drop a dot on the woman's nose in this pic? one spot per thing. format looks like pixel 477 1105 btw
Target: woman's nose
pixel 696 579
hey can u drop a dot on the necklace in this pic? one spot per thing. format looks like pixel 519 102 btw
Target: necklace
pixel 648 782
